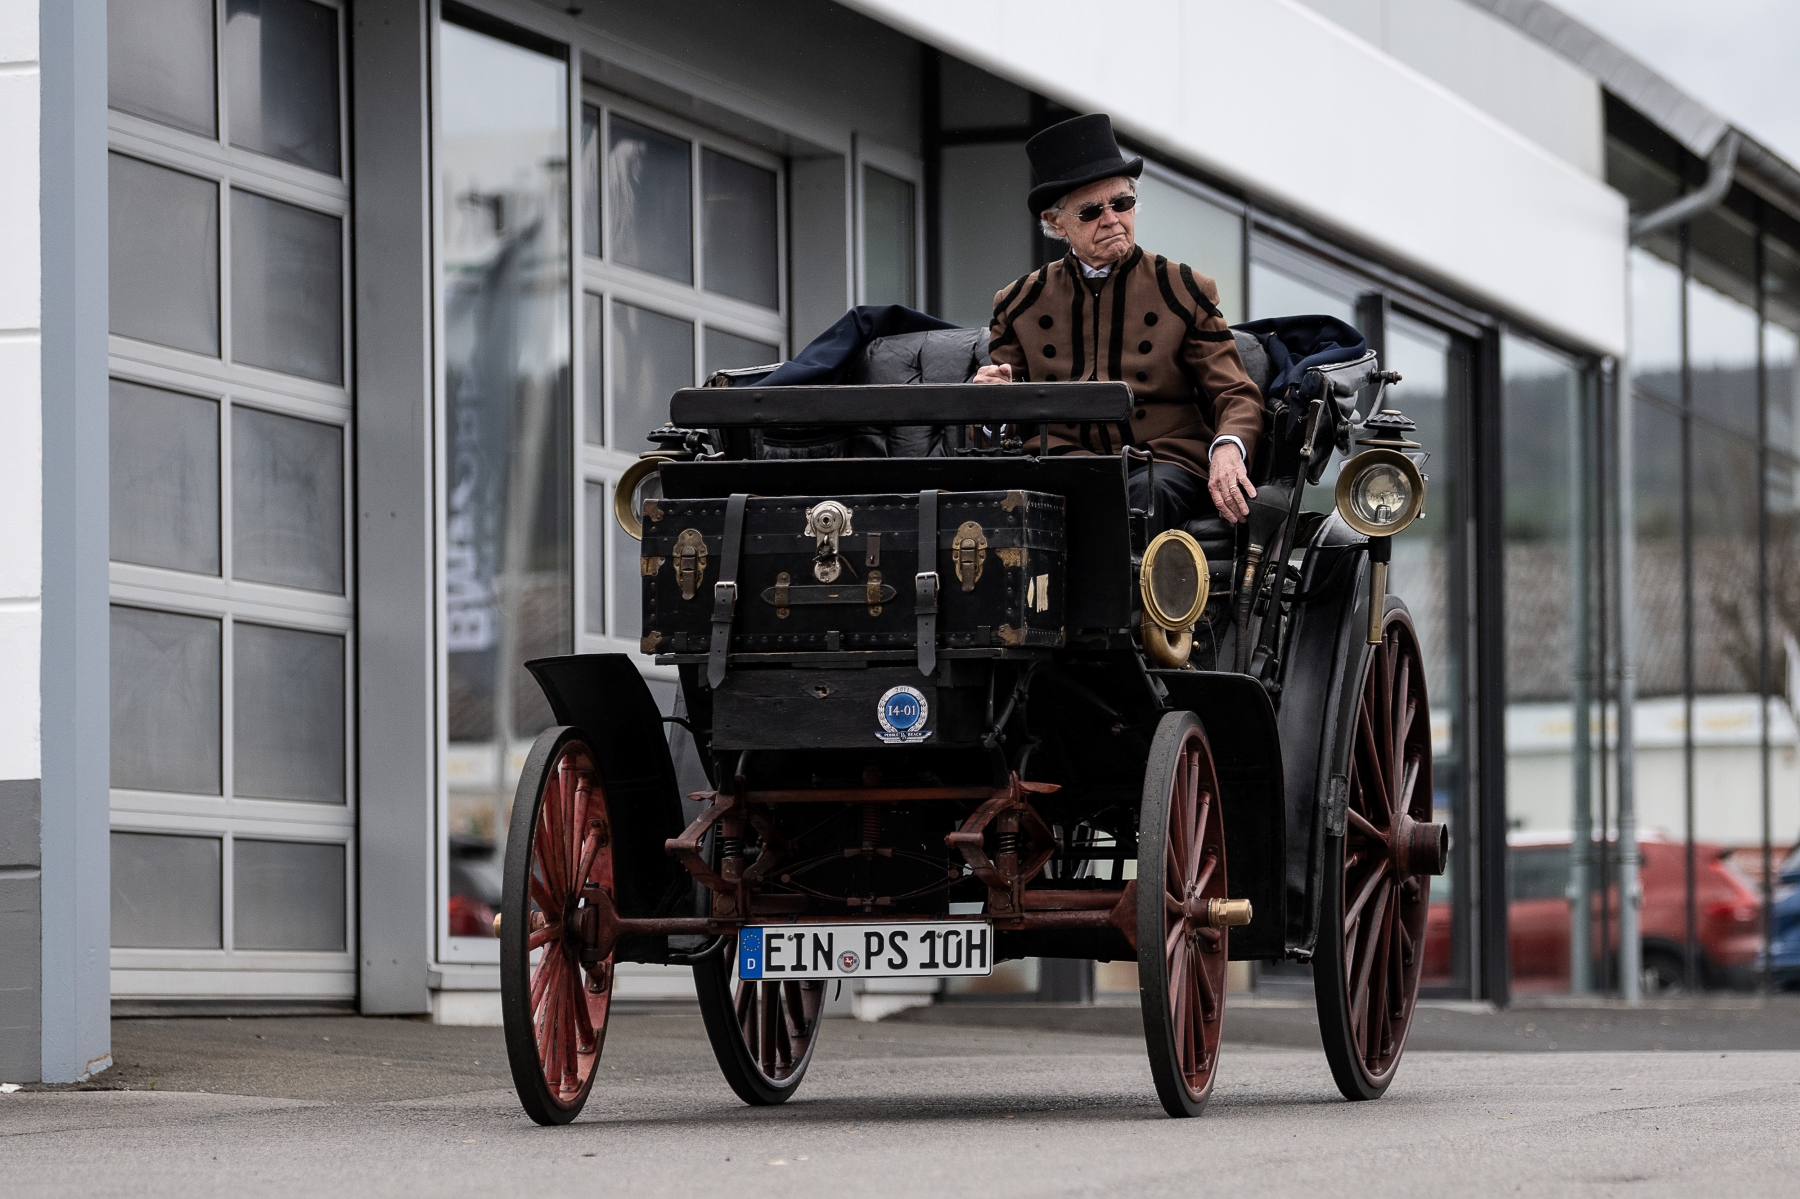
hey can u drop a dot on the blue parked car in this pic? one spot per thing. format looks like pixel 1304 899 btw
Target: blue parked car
pixel 1787 924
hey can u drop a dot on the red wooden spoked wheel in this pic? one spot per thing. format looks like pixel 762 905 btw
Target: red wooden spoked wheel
pixel 558 853
pixel 1181 956
pixel 1376 890
pixel 762 1033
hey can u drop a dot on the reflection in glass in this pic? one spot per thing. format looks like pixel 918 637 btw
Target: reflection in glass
pixel 1722 358
pixel 503 166
pixel 165 701
pixel 159 61
pixel 287 895
pixel 984 240
pixel 650 198
pixel 599 518
pixel 287 288
pixel 163 237
pixel 287 500
pixel 593 378
pixel 1182 227
pixel 653 357
pixel 628 586
pixel 590 180
pixel 737 220
pixel 1276 293
pixel 287 714
pixel 164 452
pixel 1780 346
pixel 281 80
pixel 890 241
pixel 165 892
pixel 1656 464
pixel 729 352
pixel 1655 326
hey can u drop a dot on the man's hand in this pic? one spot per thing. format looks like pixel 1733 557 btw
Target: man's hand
pixel 1230 483
pixel 993 374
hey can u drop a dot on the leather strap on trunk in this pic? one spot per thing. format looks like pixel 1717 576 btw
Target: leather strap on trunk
pixel 726 589
pixel 925 583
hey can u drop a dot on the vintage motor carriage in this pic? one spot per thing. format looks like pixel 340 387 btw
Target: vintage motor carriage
pixel 958 707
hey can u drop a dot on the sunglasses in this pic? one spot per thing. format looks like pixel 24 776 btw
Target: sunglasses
pixel 1087 214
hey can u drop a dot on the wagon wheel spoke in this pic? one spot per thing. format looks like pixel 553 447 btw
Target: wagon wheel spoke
pixel 1376 873
pixel 1369 943
pixel 541 895
pixel 1400 710
pixel 1211 857
pixel 1376 1012
pixel 1409 781
pixel 1360 824
pixel 1201 854
pixel 1373 774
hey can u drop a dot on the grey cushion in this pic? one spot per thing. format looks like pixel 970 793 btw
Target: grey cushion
pixel 1256 361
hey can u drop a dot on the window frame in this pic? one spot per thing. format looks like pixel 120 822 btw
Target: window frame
pixel 901 165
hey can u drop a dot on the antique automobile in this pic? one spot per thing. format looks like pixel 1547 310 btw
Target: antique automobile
pixel 958 706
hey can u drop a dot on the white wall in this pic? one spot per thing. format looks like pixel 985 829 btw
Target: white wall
pixel 21 417
pixel 1302 113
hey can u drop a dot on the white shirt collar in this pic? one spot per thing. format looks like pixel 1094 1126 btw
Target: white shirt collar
pixel 1095 272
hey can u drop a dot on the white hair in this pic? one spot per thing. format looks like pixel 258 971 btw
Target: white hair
pixel 1049 230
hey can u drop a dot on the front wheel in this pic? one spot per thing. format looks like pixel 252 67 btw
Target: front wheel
pixel 762 1033
pixel 1181 878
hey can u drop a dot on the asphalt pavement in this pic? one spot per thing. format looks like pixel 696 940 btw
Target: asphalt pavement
pixel 350 1107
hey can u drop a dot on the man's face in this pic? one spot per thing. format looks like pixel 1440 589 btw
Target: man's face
pixel 1098 242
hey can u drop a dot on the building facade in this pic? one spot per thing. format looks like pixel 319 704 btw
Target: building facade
pixel 328 327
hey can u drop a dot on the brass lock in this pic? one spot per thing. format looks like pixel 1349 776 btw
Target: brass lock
pixel 690 562
pixel 969 554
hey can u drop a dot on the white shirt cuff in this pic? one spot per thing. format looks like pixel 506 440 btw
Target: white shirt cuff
pixel 1221 440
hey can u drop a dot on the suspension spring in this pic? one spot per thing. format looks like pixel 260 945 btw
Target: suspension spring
pixel 1005 843
pixel 730 847
pixel 871 826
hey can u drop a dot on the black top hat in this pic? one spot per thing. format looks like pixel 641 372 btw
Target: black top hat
pixel 1073 154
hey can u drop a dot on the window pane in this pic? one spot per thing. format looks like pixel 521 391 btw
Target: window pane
pixel 889 241
pixel 986 238
pixel 653 357
pixel 1655 326
pixel 159 61
pixel 1656 465
pixel 649 189
pixel 1722 357
pixel 164 259
pixel 164 478
pixel 287 288
pixel 287 501
pixel 1780 348
pixel 165 701
pixel 508 349
pixel 727 352
pixel 281 80
pixel 738 218
pixel 593 397
pixel 598 517
pixel 628 586
pixel 1277 293
pixel 590 179
pixel 287 714
pixel 287 895
pixel 1183 227
pixel 165 892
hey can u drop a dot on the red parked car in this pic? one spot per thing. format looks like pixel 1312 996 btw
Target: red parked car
pixel 1728 911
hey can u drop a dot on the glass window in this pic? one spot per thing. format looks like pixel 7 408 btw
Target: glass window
pixel 164 255
pixel 729 352
pixel 1655 326
pixel 281 65
pixel 287 500
pixel 1276 293
pixel 1656 466
pixel 653 357
pixel 649 193
pixel 1183 227
pixel 890 242
pixel 985 237
pixel 508 536
pixel 165 891
pixel 1779 354
pixel 287 288
pixel 593 392
pixel 164 478
pixel 1722 358
pixel 287 713
pixel 1538 873
pixel 628 585
pixel 159 61
pixel 599 516
pixel 738 223
pixel 165 701
pixel 287 895
pixel 590 179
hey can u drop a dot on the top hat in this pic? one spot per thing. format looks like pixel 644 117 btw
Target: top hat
pixel 1073 154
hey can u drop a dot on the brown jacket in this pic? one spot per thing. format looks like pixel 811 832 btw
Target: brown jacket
pixel 1152 323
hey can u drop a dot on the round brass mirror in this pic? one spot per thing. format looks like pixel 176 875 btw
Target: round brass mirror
pixel 1380 492
pixel 1174 580
pixel 640 482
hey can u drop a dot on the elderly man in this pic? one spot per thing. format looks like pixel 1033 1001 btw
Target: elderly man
pixel 1109 311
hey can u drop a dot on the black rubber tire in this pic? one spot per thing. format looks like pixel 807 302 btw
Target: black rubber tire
pixel 722 998
pixel 1183 1091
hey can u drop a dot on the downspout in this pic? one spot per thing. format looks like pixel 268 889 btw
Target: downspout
pixel 1722 163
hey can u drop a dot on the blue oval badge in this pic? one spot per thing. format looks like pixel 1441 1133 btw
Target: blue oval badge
pixel 902 713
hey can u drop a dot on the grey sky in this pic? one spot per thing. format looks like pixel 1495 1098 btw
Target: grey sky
pixel 1736 56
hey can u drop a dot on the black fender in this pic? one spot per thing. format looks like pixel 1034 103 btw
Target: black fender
pixel 605 697
pixel 1240 725
pixel 1327 649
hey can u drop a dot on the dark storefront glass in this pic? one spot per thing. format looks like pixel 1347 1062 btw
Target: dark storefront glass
pixel 503 164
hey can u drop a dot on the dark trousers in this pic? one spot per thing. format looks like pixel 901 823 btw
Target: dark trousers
pixel 1181 496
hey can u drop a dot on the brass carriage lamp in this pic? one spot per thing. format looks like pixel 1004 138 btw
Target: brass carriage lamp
pixel 1379 493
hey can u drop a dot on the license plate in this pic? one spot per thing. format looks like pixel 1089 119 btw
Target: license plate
pixel 915 949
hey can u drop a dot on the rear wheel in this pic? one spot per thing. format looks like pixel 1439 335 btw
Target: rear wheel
pixel 1377 894
pixel 1181 956
pixel 558 852
pixel 762 1033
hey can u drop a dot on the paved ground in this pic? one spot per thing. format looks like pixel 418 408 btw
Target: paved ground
pixel 308 1106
